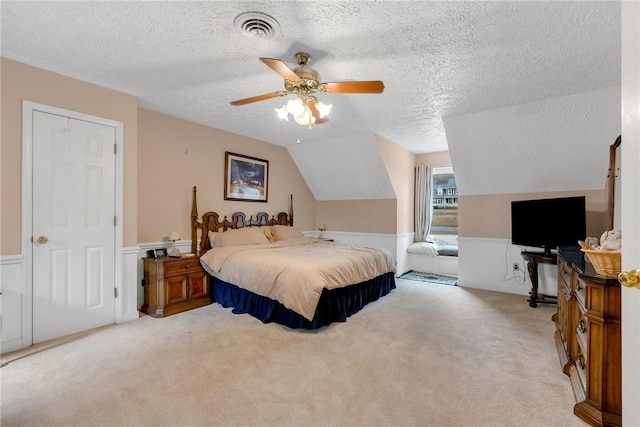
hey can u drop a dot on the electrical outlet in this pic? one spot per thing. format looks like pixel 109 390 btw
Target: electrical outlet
pixel 516 266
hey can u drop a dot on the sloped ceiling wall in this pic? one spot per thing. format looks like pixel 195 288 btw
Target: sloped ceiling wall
pixel 345 168
pixel 560 144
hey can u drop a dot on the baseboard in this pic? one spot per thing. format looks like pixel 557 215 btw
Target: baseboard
pixel 11 345
pixel 493 287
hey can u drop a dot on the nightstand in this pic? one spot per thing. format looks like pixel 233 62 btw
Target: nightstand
pixel 173 285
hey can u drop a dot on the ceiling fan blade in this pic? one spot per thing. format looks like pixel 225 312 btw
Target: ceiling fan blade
pixel 281 68
pixel 314 111
pixel 372 86
pixel 259 98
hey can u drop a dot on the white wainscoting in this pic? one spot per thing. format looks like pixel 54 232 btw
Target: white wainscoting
pixel 129 295
pixel 444 265
pixel 404 264
pixel 488 264
pixel 15 290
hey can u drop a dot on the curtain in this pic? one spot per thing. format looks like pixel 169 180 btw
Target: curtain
pixel 422 200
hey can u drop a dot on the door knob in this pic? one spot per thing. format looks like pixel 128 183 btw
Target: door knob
pixel 630 279
pixel 43 239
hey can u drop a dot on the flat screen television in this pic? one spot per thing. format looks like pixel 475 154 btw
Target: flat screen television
pixel 548 223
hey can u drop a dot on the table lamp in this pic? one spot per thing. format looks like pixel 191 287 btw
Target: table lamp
pixel 174 252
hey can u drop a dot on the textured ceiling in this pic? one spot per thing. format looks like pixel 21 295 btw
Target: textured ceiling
pixel 437 59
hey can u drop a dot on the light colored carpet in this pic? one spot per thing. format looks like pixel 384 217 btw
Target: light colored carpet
pixel 422 356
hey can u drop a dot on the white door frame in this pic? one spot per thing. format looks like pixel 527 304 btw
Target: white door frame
pixel 28 108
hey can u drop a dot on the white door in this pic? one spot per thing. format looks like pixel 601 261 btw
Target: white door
pixel 73 251
pixel 630 210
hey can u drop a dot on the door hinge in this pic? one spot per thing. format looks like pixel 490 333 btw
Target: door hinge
pixel 115 220
pixel 115 148
pixel 115 292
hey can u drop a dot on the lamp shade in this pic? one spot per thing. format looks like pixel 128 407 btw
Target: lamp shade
pixel 174 235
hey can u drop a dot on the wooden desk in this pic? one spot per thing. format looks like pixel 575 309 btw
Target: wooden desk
pixel 533 259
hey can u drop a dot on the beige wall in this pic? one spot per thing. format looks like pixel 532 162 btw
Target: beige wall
pixel 158 175
pixel 489 216
pixel 174 155
pixel 23 82
pixel 440 158
pixel 400 163
pixel 384 216
pixel 358 216
pixel 164 157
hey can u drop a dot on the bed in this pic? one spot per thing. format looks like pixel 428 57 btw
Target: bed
pixel 267 268
pixel 434 256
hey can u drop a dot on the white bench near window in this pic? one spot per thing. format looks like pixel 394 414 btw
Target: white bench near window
pixel 439 256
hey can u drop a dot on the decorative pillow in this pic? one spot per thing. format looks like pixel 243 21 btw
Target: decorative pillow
pixel 241 236
pixel 284 232
pixel 268 231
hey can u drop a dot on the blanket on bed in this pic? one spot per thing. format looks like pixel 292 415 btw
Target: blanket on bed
pixel 295 271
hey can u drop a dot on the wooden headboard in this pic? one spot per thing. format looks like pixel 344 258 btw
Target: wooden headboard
pixel 211 222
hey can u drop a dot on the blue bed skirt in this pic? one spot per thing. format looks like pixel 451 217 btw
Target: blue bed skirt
pixel 334 306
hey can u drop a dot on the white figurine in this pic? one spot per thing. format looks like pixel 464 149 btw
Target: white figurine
pixel 611 240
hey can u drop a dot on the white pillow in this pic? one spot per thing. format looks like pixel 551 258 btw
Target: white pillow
pixel 212 238
pixel 241 236
pixel 284 232
pixel 424 248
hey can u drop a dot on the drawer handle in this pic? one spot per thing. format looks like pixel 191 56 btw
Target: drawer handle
pixel 187 266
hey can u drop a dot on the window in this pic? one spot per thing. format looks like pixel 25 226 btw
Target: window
pixel 444 201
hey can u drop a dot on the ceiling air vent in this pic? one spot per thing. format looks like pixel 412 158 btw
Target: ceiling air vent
pixel 256 24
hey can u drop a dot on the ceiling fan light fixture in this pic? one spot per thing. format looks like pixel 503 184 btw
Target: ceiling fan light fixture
pixel 323 109
pixel 296 106
pixel 305 118
pixel 282 113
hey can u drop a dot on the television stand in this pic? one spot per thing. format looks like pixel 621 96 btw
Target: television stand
pixel 533 259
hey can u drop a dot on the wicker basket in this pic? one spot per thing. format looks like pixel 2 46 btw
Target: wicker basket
pixel 606 263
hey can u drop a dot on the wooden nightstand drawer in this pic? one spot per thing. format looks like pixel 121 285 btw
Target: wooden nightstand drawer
pixel 181 266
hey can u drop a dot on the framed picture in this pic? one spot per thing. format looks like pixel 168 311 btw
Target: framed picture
pixel 162 252
pixel 245 178
pixel 157 253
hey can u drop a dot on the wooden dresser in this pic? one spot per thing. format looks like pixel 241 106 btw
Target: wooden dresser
pixel 588 338
pixel 172 285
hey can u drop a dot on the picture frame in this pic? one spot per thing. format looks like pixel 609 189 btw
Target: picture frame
pixel 157 253
pixel 246 178
pixel 161 252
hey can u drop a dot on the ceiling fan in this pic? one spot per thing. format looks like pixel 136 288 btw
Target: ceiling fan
pixel 302 82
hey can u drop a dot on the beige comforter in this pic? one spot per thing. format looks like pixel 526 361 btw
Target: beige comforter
pixel 295 271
